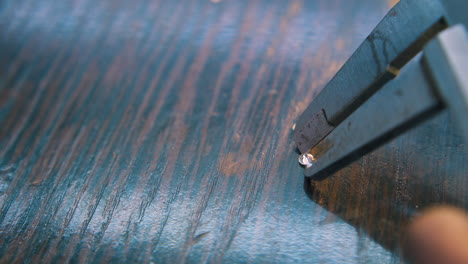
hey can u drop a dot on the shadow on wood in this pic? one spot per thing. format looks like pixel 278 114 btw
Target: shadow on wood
pixel 381 192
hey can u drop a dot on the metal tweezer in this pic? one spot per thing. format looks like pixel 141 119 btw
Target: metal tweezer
pixel 413 65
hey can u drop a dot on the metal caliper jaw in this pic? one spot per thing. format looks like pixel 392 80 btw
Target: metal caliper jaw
pixel 412 65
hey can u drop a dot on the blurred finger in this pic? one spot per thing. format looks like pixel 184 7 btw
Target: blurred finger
pixel 439 235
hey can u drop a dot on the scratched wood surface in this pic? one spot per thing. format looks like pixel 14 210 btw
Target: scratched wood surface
pixel 160 131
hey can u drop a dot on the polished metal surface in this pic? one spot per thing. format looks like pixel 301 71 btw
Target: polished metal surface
pixel 447 62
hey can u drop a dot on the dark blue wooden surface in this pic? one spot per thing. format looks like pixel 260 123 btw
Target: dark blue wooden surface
pixel 160 131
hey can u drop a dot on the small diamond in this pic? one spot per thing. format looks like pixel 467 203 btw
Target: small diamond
pixel 306 160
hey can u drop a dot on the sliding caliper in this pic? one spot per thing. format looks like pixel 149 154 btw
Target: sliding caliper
pixel 413 65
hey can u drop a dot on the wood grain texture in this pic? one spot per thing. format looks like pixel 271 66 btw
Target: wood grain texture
pixel 160 131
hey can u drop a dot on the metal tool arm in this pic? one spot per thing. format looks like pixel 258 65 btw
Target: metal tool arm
pixel 395 41
pixel 432 81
